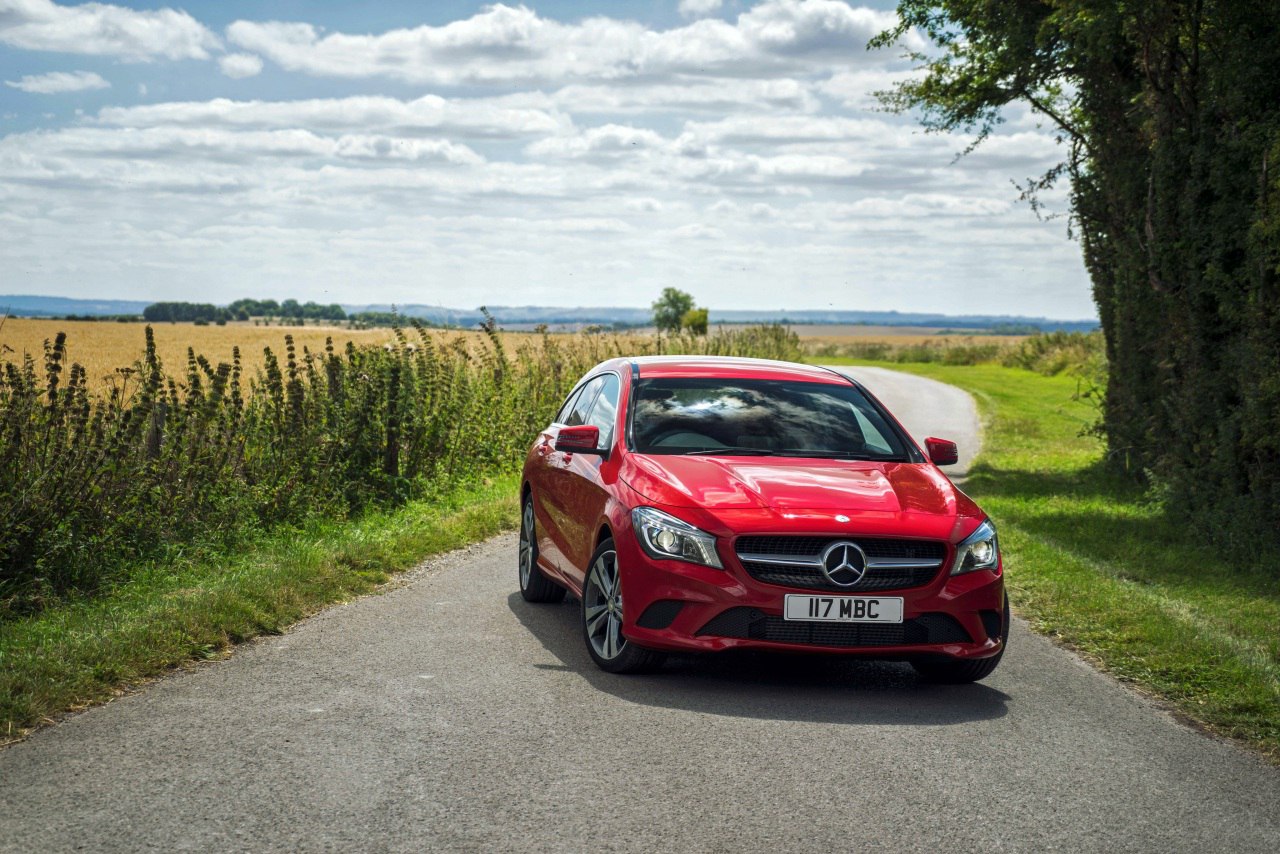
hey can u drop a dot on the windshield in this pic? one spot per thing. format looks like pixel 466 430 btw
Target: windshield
pixel 760 418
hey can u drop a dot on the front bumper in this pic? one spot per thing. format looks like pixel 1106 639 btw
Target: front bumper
pixel 681 607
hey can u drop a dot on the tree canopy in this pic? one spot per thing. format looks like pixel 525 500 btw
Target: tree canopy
pixel 241 309
pixel 670 309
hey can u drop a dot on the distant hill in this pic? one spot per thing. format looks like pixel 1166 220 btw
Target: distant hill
pixel 39 306
pixel 27 305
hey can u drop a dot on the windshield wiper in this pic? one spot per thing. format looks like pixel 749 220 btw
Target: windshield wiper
pixel 736 452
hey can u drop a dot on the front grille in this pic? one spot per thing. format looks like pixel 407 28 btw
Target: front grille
pixel 794 561
pixel 744 622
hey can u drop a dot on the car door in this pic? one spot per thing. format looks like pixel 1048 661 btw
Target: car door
pixel 556 522
pixel 586 492
pixel 540 479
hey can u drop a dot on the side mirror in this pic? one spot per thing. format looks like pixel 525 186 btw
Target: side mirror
pixel 581 439
pixel 942 452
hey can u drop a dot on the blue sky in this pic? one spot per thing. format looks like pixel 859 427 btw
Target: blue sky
pixel 461 153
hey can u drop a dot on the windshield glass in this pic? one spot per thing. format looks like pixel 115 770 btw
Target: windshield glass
pixel 760 418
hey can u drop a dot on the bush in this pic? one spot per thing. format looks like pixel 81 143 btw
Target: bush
pixel 695 321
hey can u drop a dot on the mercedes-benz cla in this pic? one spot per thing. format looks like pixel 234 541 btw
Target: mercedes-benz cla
pixel 706 504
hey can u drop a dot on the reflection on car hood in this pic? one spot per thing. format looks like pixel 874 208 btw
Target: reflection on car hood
pixel 778 483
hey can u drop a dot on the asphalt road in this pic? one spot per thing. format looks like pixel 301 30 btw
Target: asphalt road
pixel 448 714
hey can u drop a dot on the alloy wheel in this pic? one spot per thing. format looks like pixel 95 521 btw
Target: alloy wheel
pixel 602 606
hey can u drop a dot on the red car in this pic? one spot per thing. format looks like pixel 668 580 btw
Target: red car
pixel 700 504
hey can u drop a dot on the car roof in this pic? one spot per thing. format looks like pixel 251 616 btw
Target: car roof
pixel 734 367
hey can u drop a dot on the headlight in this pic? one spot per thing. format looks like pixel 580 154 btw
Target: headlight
pixel 979 550
pixel 663 536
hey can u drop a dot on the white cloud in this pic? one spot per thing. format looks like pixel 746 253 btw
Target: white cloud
pixel 788 129
pixel 240 65
pixel 216 145
pixel 857 89
pixel 56 82
pixel 644 205
pixel 697 231
pixel 699 8
pixel 428 115
pixel 100 29
pixel 503 44
pixel 606 141
pixel 703 96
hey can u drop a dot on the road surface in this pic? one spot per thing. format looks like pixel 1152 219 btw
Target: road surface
pixel 448 714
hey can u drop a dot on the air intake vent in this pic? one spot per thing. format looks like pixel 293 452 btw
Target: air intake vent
pixel 755 625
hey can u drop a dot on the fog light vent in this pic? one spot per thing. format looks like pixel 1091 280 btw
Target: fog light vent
pixel 660 614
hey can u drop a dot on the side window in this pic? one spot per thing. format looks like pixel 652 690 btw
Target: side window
pixel 604 412
pixel 567 408
pixel 578 414
pixel 871 436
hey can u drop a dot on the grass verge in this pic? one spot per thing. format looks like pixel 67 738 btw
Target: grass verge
pixel 1094 562
pixel 86 651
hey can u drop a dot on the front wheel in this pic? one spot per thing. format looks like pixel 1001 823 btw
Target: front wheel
pixel 961 672
pixel 602 618
pixel 534 586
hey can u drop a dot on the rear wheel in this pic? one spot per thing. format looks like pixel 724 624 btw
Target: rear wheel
pixel 534 586
pixel 602 618
pixel 961 672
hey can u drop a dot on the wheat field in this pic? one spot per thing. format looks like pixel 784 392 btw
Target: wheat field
pixel 102 347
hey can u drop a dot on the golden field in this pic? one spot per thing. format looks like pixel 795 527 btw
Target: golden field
pixel 102 347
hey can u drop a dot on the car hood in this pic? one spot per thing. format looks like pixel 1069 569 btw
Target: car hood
pixel 793 485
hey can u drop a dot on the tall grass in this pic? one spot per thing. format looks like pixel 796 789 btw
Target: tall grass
pixel 92 482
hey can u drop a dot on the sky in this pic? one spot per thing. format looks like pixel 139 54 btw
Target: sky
pixel 463 154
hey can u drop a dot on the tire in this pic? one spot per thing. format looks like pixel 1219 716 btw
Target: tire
pixel 534 586
pixel 602 618
pixel 963 672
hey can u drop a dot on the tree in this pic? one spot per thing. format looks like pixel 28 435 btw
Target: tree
pixel 695 320
pixel 670 309
pixel 1170 115
pixel 185 312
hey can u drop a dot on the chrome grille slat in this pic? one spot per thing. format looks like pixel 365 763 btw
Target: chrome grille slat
pixel 872 562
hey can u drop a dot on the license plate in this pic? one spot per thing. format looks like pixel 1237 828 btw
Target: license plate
pixel 843 609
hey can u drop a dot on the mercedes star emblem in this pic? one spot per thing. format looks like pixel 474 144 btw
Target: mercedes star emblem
pixel 844 563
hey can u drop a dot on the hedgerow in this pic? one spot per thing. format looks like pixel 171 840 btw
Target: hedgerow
pixel 92 483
